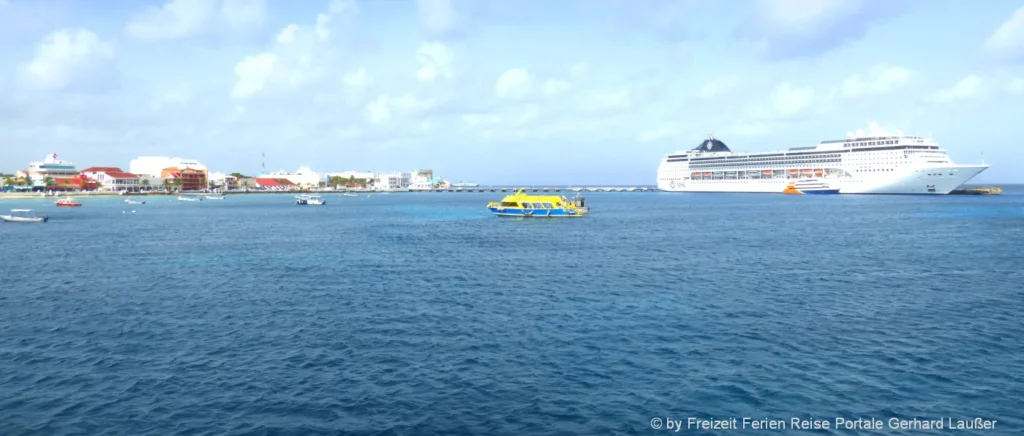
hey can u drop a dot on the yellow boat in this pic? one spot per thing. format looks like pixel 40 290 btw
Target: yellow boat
pixel 522 204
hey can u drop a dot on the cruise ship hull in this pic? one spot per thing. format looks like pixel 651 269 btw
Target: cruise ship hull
pixel 925 181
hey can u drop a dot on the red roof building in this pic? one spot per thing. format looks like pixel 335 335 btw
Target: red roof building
pixel 266 182
pixel 113 178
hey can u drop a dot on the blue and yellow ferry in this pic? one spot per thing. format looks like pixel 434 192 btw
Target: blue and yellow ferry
pixel 522 204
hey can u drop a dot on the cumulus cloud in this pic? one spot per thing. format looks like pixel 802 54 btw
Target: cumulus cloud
pixel 789 100
pixel 184 18
pixel 717 87
pixel 297 56
pixel 880 80
pixel 1008 40
pixel 435 61
pixel 356 78
pixel 798 28
pixel 438 18
pixel 968 88
pixel 385 106
pixel 514 83
pixel 68 58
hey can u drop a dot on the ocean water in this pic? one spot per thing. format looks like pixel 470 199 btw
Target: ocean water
pixel 420 314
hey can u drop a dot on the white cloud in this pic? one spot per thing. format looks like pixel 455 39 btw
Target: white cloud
pixel 514 83
pixel 794 28
pixel 789 100
pixel 718 87
pixel 184 18
pixel 175 19
pixel 579 70
pixel 1008 39
pixel 1016 86
pixel 967 88
pixel 437 17
pixel 297 57
pixel 881 80
pixel 435 61
pixel 253 73
pixel 611 100
pixel 383 107
pixel 64 57
pixel 241 13
pixel 480 120
pixel 555 87
pixel 356 78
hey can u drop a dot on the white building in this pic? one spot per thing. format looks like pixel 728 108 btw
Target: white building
pixel 304 177
pixel 220 179
pixel 50 168
pixel 113 178
pixel 154 165
pixel 422 180
pixel 391 181
pixel 365 175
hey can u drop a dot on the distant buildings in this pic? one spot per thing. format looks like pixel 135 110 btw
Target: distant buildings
pixel 192 174
pixel 113 178
pixel 58 171
pixel 304 177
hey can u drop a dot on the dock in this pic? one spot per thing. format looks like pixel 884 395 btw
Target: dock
pixel 977 191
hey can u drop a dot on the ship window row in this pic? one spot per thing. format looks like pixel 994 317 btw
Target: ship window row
pixel 537 206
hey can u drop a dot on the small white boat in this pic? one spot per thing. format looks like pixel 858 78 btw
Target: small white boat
pixel 23 216
pixel 349 194
pixel 214 197
pixel 134 200
pixel 311 200
pixel 190 197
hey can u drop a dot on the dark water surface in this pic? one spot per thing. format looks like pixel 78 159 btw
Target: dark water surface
pixel 421 314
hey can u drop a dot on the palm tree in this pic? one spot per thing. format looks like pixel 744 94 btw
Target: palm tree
pixel 177 184
pixel 167 184
pixel 8 180
pixel 144 183
pixel 49 182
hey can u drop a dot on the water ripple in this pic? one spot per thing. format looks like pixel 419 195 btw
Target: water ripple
pixel 422 315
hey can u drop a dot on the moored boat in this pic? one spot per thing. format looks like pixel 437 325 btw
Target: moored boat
pixel 810 186
pixel 311 200
pixel 522 204
pixel 23 216
pixel 214 197
pixel 134 200
pixel 190 197
pixel 68 202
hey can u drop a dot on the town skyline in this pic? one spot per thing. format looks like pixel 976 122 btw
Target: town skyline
pixel 570 92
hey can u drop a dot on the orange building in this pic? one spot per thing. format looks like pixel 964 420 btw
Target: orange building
pixel 191 179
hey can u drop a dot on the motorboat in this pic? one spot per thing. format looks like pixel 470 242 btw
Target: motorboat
pixel 311 200
pixel 522 204
pixel 134 200
pixel 190 197
pixel 810 186
pixel 23 216
pixel 215 197
pixel 68 202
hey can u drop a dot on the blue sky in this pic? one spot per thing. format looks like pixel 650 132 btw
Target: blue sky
pixel 547 92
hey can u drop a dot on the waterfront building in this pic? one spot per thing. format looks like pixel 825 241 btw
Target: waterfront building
pixel 304 177
pixel 191 179
pixel 354 175
pixel 155 165
pixel 220 179
pixel 391 181
pixel 113 178
pixel 50 168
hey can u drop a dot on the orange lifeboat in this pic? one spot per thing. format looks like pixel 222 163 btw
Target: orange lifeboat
pixel 793 171
pixel 819 172
pixel 708 174
pixel 767 172
pixel 695 175
pixel 808 171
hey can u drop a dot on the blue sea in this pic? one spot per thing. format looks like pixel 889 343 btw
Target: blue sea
pixel 421 314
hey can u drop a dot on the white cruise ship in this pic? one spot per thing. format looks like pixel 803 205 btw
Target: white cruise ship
pixel 856 165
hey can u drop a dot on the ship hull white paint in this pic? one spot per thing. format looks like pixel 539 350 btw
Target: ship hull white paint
pixel 874 165
pixel 912 181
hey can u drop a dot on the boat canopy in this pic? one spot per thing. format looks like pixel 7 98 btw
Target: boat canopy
pixel 20 210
